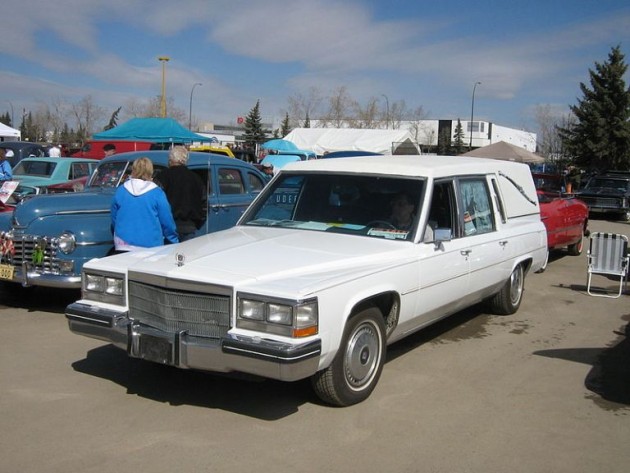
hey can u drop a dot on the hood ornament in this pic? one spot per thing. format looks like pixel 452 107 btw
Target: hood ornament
pixel 180 259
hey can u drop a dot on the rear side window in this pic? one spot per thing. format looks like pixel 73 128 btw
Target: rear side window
pixel 476 210
pixel 255 182
pixel 230 181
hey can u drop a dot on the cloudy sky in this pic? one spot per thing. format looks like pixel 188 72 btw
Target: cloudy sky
pixel 427 53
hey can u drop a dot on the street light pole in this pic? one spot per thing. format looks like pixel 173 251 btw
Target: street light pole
pixel 472 114
pixel 163 60
pixel 190 108
pixel 387 116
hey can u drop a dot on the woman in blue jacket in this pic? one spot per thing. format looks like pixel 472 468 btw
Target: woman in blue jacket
pixel 141 214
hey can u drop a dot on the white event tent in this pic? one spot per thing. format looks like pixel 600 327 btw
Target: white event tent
pixel 322 140
pixel 9 134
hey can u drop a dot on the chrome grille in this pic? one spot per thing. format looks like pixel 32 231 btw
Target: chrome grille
pixel 200 314
pixel 24 247
pixel 603 202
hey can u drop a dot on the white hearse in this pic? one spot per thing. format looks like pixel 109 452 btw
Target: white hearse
pixel 321 272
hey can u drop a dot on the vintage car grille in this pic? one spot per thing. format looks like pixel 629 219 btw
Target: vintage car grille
pixel 603 202
pixel 200 314
pixel 40 252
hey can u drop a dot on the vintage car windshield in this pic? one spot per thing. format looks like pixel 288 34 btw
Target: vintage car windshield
pixel 110 174
pixel 607 182
pixel 363 205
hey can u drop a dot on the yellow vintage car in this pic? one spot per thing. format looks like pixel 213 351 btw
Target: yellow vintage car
pixel 215 149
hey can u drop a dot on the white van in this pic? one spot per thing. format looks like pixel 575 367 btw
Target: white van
pixel 334 260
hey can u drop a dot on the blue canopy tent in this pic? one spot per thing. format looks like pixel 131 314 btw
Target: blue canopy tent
pixel 158 130
pixel 279 145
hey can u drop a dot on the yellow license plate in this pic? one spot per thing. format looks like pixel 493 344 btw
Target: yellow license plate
pixel 6 271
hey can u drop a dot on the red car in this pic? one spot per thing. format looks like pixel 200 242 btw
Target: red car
pixel 565 217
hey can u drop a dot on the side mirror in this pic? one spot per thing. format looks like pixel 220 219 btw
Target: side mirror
pixel 442 234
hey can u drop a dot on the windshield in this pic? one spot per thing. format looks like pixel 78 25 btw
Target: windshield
pixel 618 184
pixel 110 174
pixel 366 205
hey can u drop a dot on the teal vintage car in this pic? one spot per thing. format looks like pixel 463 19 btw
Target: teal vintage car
pixel 43 172
pixel 48 237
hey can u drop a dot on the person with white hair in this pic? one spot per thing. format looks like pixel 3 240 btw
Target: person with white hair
pixel 185 192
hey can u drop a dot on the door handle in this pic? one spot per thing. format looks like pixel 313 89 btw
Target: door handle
pixel 465 252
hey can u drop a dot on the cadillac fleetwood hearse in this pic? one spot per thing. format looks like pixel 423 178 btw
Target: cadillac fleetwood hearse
pixel 319 276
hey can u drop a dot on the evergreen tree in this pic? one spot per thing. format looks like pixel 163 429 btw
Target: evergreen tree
pixel 113 120
pixel 600 137
pixel 254 132
pixel 285 127
pixel 307 121
pixel 444 142
pixel 458 142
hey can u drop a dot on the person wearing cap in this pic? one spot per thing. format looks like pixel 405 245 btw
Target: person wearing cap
pixel 6 174
pixel 109 149
pixel 267 168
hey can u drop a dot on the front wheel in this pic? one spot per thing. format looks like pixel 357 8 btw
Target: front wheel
pixel 508 299
pixel 354 372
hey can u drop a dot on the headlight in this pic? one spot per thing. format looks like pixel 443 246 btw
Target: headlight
pixel 67 243
pixel 283 317
pixel 102 287
pixel 251 310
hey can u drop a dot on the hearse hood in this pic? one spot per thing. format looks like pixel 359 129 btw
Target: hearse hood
pixel 46 205
pixel 282 260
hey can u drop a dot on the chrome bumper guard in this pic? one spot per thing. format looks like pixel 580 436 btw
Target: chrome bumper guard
pixel 28 275
pixel 232 353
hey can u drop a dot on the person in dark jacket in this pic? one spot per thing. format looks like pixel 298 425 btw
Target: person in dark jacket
pixel 141 214
pixel 185 191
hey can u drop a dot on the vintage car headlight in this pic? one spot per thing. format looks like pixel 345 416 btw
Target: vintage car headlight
pixel 67 242
pixel 103 287
pixel 282 317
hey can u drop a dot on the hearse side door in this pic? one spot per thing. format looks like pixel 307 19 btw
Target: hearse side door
pixel 444 267
pixel 489 251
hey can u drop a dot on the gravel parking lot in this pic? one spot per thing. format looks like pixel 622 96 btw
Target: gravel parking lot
pixel 544 390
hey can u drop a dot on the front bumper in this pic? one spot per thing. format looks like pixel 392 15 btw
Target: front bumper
pixel 29 275
pixel 232 353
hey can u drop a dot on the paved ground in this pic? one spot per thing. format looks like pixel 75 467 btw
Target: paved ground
pixel 545 390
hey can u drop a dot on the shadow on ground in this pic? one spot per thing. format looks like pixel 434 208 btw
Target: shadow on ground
pixel 609 377
pixel 263 399
pixel 44 299
pixel 247 395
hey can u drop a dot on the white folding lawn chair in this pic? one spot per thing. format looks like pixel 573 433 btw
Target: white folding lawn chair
pixel 607 256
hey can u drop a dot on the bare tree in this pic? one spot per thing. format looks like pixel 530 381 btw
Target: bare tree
pixel 549 141
pixel 87 114
pixel 365 117
pixel 304 106
pixel 418 128
pixel 340 106
pixel 151 107
pixel 397 114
